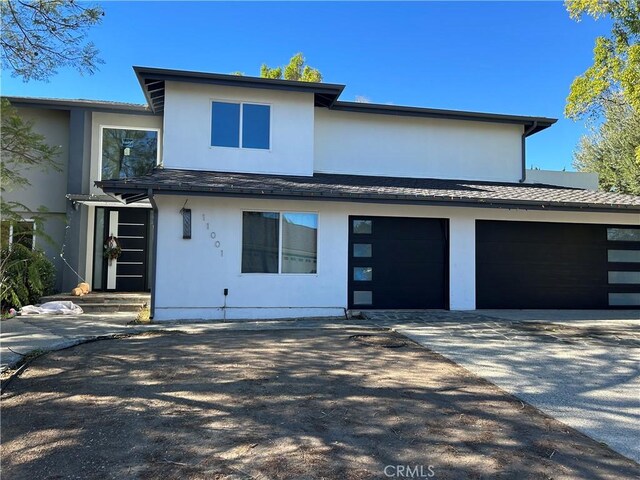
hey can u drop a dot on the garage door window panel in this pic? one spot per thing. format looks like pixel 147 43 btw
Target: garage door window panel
pixel 362 297
pixel 626 278
pixel 624 299
pixel 623 234
pixel 624 256
pixel 362 227
pixel 362 274
pixel 362 250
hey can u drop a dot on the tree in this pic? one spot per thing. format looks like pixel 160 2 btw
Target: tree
pixel 39 36
pixel 610 149
pixel 24 274
pixel 22 149
pixel 294 70
pixel 615 73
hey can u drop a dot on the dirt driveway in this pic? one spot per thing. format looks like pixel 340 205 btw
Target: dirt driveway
pixel 275 405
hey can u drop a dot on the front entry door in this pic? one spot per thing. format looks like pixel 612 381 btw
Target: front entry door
pixel 131 227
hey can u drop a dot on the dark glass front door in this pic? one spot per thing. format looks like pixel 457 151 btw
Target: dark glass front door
pixel 129 273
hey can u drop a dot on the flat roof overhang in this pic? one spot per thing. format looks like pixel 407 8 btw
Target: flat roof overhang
pixel 106 201
pixel 152 81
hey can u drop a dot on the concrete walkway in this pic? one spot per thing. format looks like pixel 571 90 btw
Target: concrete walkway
pixel 582 368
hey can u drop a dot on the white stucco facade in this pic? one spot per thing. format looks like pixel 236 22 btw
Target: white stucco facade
pixel 192 274
pixel 398 146
pixel 187 126
pixel 309 132
pixel 307 139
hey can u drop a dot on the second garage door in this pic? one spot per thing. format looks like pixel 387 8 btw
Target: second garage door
pixel 556 265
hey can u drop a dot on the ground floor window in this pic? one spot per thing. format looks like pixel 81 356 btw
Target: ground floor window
pixel 279 242
pixel 23 233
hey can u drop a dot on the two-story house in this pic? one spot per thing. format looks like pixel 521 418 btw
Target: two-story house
pixel 241 197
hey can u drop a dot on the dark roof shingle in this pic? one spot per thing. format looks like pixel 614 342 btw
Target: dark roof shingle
pixel 334 187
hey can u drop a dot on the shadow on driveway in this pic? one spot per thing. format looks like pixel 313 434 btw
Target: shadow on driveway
pixel 278 404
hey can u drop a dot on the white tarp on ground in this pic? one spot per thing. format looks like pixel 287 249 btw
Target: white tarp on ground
pixel 52 308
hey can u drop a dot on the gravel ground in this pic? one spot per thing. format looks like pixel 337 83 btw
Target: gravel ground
pixel 334 404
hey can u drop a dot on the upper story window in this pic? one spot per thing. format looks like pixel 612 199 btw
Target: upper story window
pixel 240 125
pixel 128 152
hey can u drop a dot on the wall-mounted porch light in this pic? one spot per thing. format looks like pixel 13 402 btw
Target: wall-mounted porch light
pixel 186 222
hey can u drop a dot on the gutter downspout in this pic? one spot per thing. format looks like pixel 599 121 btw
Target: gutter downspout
pixel 154 257
pixel 525 134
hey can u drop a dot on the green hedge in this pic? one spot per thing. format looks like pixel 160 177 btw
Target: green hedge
pixel 26 275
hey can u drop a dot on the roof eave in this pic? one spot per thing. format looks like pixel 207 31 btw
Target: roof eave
pixel 66 104
pixel 325 94
pixel 540 123
pixel 132 192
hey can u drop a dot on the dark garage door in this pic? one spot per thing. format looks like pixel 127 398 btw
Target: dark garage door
pixel 397 263
pixel 556 265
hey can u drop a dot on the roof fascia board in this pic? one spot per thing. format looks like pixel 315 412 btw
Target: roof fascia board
pixel 236 80
pixel 321 90
pixel 51 104
pixel 379 109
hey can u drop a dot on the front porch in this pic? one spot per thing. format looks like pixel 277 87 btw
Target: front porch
pixel 104 302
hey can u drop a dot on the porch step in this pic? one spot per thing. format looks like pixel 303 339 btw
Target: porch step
pixel 97 302
pixel 109 307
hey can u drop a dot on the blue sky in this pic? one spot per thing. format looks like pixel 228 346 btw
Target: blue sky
pixel 504 57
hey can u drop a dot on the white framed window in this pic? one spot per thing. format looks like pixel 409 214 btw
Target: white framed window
pixel 279 242
pixel 22 232
pixel 128 151
pixel 240 125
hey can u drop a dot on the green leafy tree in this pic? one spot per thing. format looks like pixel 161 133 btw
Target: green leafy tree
pixel 294 70
pixel 22 149
pixel 614 76
pixel 39 36
pixel 610 150
pixel 608 93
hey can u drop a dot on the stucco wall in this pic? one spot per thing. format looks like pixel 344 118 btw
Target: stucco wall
pixel 49 186
pixel 187 126
pixel 192 274
pixel 369 144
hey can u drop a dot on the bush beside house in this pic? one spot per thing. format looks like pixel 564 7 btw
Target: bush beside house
pixel 26 276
